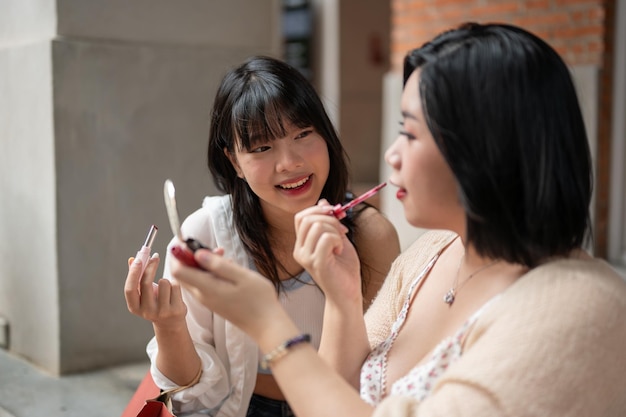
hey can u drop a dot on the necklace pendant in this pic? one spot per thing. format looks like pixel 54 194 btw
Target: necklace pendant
pixel 449 297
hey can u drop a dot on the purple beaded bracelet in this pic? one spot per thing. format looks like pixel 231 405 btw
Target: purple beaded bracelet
pixel 283 349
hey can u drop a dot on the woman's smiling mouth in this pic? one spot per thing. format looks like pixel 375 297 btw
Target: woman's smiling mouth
pixel 297 184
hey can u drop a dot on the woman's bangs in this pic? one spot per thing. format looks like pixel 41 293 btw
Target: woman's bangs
pixel 257 119
pixel 260 117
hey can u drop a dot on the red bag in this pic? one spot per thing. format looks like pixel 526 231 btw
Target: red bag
pixel 149 401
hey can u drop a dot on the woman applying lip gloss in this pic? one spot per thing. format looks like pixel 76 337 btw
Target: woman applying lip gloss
pixel 498 310
pixel 273 152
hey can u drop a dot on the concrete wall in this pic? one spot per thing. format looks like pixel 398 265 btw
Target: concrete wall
pixel 28 251
pixel 130 87
pixel 364 60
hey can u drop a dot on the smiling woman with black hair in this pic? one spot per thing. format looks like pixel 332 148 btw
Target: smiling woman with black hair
pixel 499 310
pixel 273 152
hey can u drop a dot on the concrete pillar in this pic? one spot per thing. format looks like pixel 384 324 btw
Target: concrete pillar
pixel 128 87
pixel 28 251
pixel 364 41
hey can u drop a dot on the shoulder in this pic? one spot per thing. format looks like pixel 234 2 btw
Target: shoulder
pixel 212 208
pixel 403 271
pixel 372 224
pixel 212 223
pixel 589 287
pixel 561 321
pixel 217 203
pixel 581 301
pixel 429 244
pixel 587 280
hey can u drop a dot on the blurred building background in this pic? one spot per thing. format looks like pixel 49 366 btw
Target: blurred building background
pixel 101 101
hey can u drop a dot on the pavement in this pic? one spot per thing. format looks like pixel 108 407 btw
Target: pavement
pixel 26 391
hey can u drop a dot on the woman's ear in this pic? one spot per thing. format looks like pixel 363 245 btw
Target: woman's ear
pixel 233 160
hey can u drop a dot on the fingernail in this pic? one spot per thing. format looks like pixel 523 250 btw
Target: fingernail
pixel 137 261
pixel 155 255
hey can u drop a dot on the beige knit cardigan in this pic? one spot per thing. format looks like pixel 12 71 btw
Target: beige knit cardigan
pixel 554 343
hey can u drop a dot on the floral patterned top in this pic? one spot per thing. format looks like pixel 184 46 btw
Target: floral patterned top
pixel 419 381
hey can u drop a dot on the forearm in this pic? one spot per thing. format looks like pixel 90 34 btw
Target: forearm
pixel 177 358
pixel 311 387
pixel 344 344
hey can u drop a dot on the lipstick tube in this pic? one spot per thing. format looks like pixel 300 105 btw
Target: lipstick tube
pixel 144 252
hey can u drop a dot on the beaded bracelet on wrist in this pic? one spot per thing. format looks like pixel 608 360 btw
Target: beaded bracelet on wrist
pixel 283 349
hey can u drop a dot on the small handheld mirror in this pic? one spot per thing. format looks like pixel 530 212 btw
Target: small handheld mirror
pixel 184 254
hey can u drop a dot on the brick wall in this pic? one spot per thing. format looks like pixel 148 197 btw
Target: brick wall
pixel 575 28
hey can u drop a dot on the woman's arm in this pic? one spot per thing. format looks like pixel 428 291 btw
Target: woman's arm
pixel 249 301
pixel 324 250
pixel 344 343
pixel 378 245
pixel 164 307
pixel 184 341
pixel 311 387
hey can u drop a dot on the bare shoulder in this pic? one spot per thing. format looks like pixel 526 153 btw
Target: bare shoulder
pixel 373 225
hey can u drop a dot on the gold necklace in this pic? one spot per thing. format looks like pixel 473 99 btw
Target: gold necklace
pixel 450 296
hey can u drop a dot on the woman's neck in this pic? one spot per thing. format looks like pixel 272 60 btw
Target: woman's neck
pixel 281 234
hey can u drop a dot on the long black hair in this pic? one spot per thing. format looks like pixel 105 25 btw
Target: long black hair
pixel 503 110
pixel 257 99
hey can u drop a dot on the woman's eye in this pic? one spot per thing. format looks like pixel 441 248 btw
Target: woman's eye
pixel 407 135
pixel 304 134
pixel 404 133
pixel 260 149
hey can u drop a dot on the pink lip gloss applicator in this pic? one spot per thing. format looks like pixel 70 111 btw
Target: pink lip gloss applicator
pixel 357 200
pixel 144 252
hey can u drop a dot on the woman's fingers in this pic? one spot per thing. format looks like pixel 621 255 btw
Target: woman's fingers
pixel 131 285
pixel 223 272
pixel 322 208
pixel 176 296
pixel 314 238
pixel 144 297
pixel 164 294
pixel 318 237
pixel 147 296
pixel 312 223
pixel 219 277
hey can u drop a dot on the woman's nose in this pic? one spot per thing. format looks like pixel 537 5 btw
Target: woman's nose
pixel 288 160
pixel 392 156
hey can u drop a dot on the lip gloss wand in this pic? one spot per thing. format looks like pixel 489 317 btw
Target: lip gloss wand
pixel 357 200
pixel 144 252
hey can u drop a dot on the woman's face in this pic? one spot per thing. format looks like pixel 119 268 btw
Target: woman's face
pixel 288 173
pixel 427 188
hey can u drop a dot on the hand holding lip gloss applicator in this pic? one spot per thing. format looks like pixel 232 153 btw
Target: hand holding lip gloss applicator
pixel 357 200
pixel 144 252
